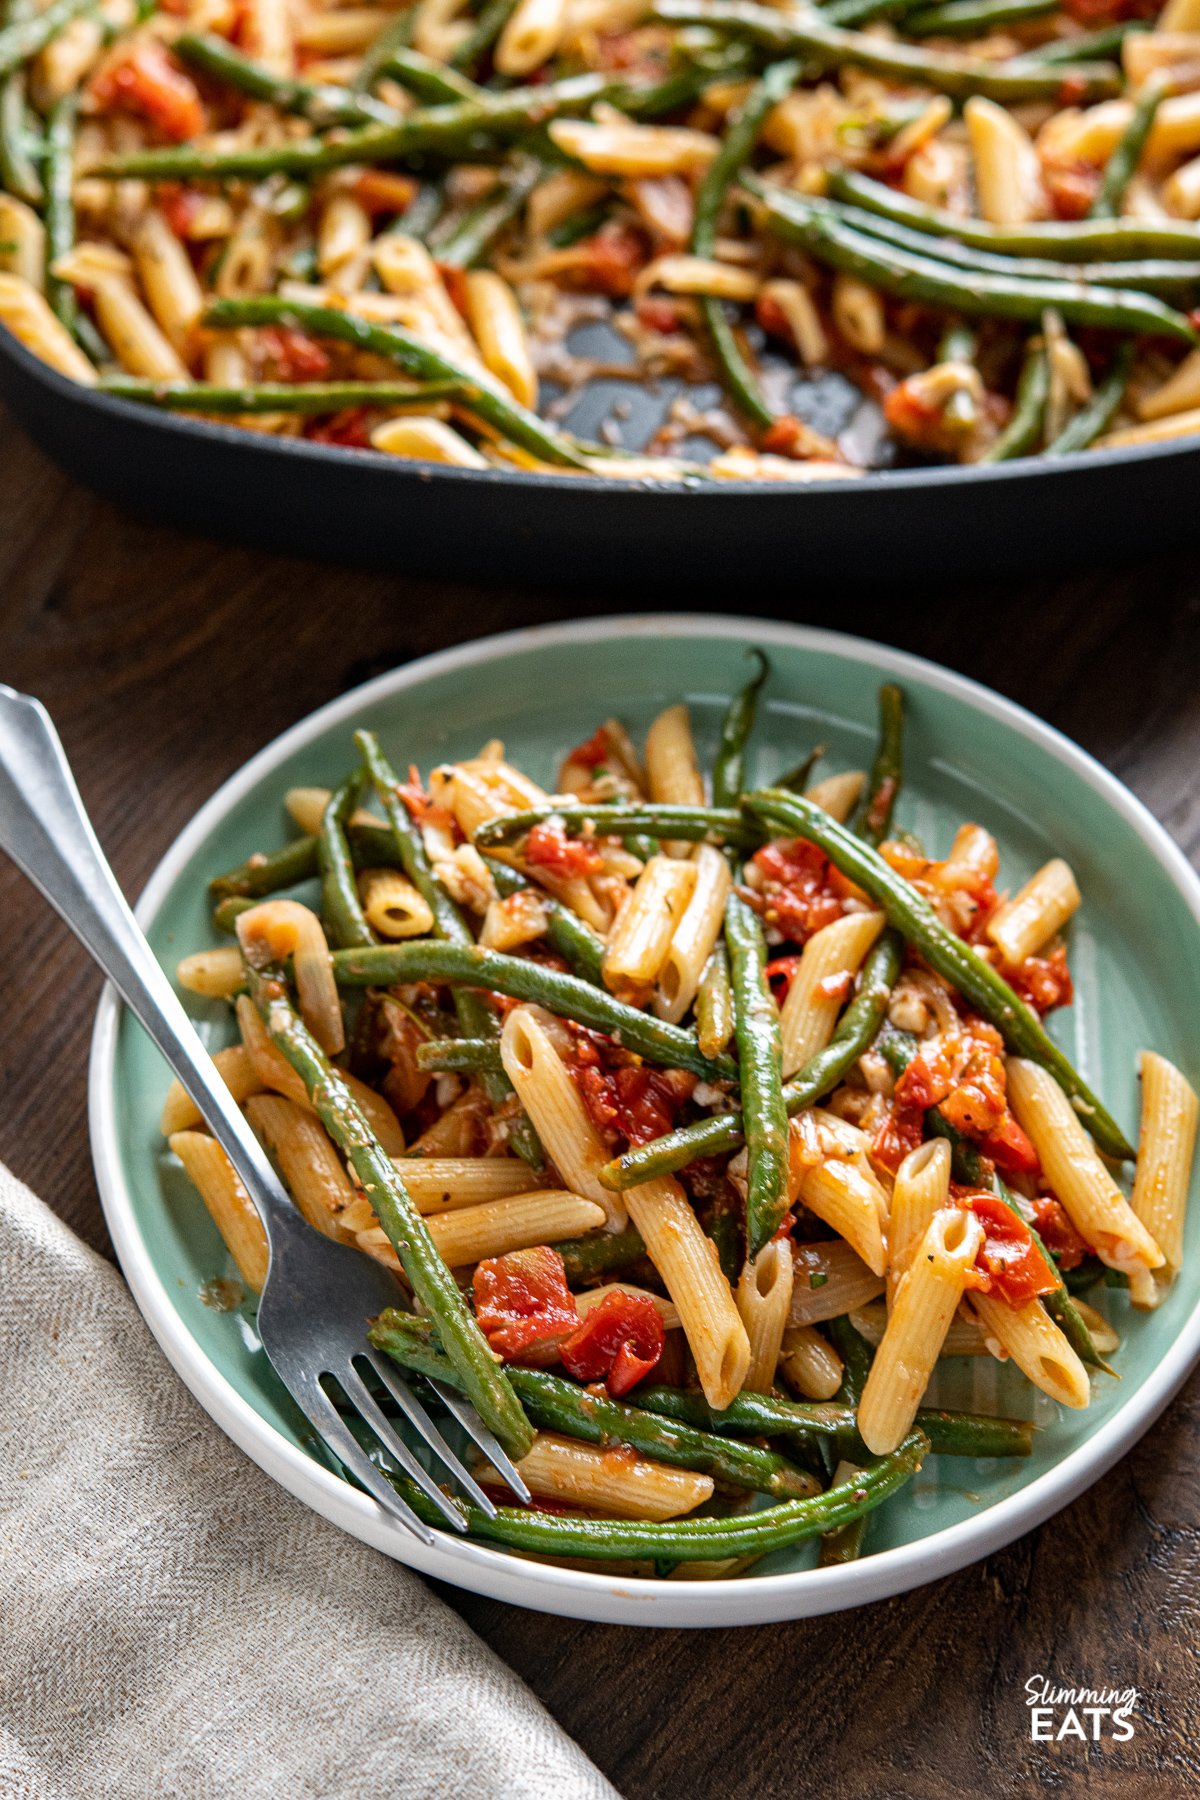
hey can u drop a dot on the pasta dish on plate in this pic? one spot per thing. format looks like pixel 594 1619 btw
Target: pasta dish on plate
pixel 389 228
pixel 698 1120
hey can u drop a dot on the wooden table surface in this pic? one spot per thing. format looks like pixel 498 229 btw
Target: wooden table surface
pixel 167 660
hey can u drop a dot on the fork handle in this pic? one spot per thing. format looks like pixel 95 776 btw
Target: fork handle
pixel 47 833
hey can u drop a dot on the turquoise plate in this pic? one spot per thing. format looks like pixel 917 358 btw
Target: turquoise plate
pixel 969 755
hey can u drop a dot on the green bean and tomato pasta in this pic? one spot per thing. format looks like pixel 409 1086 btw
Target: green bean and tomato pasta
pixel 674 1282
pixel 380 230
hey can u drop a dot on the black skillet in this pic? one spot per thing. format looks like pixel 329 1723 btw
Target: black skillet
pixel 769 544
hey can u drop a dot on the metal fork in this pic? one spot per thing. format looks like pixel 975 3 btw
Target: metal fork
pixel 318 1295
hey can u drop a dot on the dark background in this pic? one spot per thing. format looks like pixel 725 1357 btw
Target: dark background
pixel 167 660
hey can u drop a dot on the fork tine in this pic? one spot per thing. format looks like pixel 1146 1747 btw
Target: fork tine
pixel 332 1428
pixel 357 1392
pixel 479 1434
pixel 420 1420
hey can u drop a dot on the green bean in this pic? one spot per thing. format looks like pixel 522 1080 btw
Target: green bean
pixel 424 212
pixel 714 1004
pixel 856 1032
pixel 574 940
pixel 764 1415
pixel 391 41
pixel 60 205
pixel 488 26
pixel 915 276
pixel 866 12
pixel 695 824
pixel 690 1539
pixel 467 1056
pixel 266 874
pixel 1086 46
pixel 1092 420
pixel 760 1066
pixel 857 1357
pixel 567 996
pixel 721 1227
pixel 435 83
pixel 450 130
pixel 798 778
pixel 470 238
pixel 1122 164
pixel 887 771
pixel 1023 432
pixel 416 357
pixel 784 34
pixel 729 769
pixel 580 225
pixel 599 1253
pixel 227 912
pixel 741 135
pixel 271 396
pixel 21 41
pixel 957 962
pixel 1163 276
pixel 18 169
pixel 319 102
pixel 464 1343
pixel 340 904
pixel 846 1543
pixel 957 344
pixel 558 1405
pixel 1080 240
pixel 475 1017
pixel 972 18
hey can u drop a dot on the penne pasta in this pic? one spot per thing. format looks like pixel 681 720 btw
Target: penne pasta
pixel 393 907
pixel 764 1294
pixel 307 1160
pixel 672 771
pixel 550 1097
pixel 217 974
pixel 695 935
pixel 1098 1209
pixel 230 1207
pixel 642 933
pixel 1029 1335
pixel 444 1183
pixel 843 1197
pixel 1027 922
pixel 468 1234
pixel 926 1300
pixel 810 1363
pixel 821 984
pixel 920 1191
pixel 1163 1175
pixel 615 1482
pixel 237 1071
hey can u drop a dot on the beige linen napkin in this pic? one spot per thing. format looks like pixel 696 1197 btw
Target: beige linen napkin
pixel 173 1624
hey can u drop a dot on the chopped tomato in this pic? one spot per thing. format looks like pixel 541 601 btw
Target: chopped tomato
pixel 415 795
pixel 1013 1267
pixel 1045 981
pixel 290 354
pixel 622 1097
pixel 1058 1233
pixel 179 206
pixel 612 259
pixel 146 79
pixel 523 1304
pixel 381 191
pixel 1009 1148
pixel 789 436
pixel 781 973
pixel 594 753
pixel 1072 187
pixel 548 847
pixel 771 317
pixel 454 280
pixel 911 414
pixel 1109 12
pixel 800 890
pixel 657 314
pixel 348 427
pixel 619 1342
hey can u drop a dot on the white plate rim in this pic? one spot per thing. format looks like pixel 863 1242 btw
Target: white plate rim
pixel 585 1594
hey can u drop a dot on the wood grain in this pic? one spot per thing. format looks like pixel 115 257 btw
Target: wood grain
pixel 167 660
